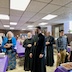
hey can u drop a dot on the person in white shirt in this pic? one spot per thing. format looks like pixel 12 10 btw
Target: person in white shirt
pixel 0 43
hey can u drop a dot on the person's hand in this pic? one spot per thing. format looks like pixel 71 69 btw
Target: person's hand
pixel 34 43
pixel 41 56
pixel 59 54
pixel 68 56
pixel 47 43
pixel 29 45
pixel 30 55
pixel 7 46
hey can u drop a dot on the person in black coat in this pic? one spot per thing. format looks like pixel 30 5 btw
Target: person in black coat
pixel 39 55
pixel 49 50
pixel 28 44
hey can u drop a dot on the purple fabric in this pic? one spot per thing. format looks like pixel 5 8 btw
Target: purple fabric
pixel 3 64
pixel 61 69
pixel 68 49
pixel 20 48
pixel 21 54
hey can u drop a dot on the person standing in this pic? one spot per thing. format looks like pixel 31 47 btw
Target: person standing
pixel 49 48
pixel 61 48
pixel 28 44
pixel 9 43
pixel 1 44
pixel 39 53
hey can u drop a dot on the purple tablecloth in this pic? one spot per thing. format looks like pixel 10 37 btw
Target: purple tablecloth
pixel 3 64
pixel 61 69
pixel 20 49
pixel 68 49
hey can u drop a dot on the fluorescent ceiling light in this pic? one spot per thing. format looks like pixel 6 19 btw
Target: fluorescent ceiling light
pixel 5 17
pixel 13 23
pixel 19 4
pixel 6 26
pixel 43 23
pixel 49 17
pixel 70 25
pixel 23 29
pixel 30 26
pixel 11 28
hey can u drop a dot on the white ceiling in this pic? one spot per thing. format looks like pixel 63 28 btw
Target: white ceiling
pixel 35 11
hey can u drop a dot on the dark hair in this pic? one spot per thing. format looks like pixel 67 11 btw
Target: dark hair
pixel 38 27
pixel 61 31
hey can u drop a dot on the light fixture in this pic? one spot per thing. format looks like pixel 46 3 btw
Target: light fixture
pixel 11 28
pixel 70 25
pixel 49 17
pixel 43 23
pixel 13 23
pixel 23 29
pixel 19 4
pixel 6 26
pixel 30 26
pixel 5 17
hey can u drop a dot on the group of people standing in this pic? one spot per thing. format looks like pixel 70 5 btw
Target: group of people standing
pixel 35 51
pixel 36 47
pixel 35 59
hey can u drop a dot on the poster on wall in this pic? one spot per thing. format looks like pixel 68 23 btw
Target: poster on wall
pixel 56 32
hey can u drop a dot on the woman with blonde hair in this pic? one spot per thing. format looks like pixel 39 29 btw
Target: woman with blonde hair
pixel 9 44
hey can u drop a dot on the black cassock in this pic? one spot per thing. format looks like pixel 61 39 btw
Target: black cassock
pixel 39 63
pixel 28 60
pixel 49 51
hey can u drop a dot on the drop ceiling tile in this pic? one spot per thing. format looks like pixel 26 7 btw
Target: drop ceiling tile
pixel 49 8
pixel 4 3
pixel 37 17
pixel 60 2
pixel 0 23
pixel 23 20
pixel 47 1
pixel 35 6
pixel 15 13
pixel 5 21
pixel 4 11
pixel 1 26
pixel 69 5
pixel 28 14
pixel 14 18
pixel 62 10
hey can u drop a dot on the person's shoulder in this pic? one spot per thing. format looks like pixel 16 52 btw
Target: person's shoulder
pixel 58 38
pixel 42 36
pixel 13 38
pixel 5 38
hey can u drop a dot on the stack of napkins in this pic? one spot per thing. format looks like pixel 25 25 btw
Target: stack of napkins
pixel 2 55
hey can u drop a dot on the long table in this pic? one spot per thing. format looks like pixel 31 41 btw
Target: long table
pixel 3 64
pixel 20 49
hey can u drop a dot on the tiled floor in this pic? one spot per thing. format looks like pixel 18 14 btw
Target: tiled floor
pixel 49 69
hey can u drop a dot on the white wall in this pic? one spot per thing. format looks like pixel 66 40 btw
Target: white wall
pixel 66 28
pixel 49 29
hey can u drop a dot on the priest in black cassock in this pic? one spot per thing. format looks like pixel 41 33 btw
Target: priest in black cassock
pixel 49 50
pixel 39 53
pixel 28 44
